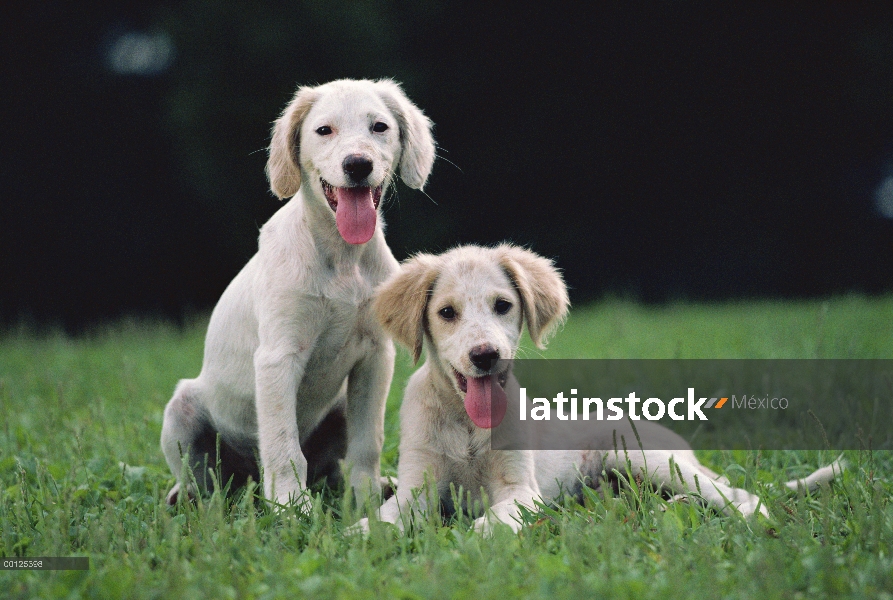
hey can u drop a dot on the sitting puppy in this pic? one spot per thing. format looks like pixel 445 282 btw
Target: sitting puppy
pixel 466 308
pixel 296 367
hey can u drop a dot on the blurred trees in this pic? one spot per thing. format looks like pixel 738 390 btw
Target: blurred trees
pixel 682 150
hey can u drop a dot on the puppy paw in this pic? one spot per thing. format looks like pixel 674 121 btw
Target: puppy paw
pixel 486 526
pixel 174 495
pixel 752 510
pixel 482 526
pixel 360 528
pixel 750 506
pixel 293 503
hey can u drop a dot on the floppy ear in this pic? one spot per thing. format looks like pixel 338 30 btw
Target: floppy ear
pixel 283 169
pixel 543 293
pixel 401 301
pixel 417 157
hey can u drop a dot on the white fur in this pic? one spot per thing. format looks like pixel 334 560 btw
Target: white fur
pixel 293 335
pixel 440 444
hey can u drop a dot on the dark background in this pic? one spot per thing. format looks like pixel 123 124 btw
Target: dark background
pixel 659 151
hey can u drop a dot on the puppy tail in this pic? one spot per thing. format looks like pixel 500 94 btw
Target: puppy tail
pixel 812 482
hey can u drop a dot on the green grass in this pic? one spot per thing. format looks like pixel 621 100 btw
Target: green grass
pixel 81 474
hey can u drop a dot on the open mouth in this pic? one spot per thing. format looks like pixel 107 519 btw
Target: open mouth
pixel 501 378
pixel 485 402
pixel 355 210
pixel 332 197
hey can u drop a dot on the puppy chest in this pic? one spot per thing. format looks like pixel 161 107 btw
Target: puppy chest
pixel 336 352
pixel 347 284
pixel 344 341
pixel 348 330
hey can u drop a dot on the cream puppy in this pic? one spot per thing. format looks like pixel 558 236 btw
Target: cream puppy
pixel 466 308
pixel 293 338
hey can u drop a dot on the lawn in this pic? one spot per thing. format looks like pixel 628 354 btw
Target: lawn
pixel 81 473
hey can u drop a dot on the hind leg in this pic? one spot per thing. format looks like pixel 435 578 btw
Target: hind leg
pixel 187 430
pixel 184 423
pixel 684 477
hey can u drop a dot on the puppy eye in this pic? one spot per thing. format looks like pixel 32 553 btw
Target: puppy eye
pixel 324 130
pixel 380 127
pixel 502 306
pixel 447 313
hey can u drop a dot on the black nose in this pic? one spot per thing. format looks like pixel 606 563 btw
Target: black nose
pixel 484 356
pixel 357 167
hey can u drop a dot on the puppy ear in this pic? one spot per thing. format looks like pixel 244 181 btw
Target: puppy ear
pixel 283 168
pixel 417 157
pixel 543 293
pixel 401 301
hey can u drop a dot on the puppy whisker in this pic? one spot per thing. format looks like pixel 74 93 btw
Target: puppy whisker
pixel 526 350
pixel 439 148
pixel 446 160
pixel 392 189
pixel 429 197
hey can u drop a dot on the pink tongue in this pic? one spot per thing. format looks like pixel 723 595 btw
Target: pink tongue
pixel 355 215
pixel 485 402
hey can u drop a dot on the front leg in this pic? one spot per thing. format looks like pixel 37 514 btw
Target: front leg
pixel 367 394
pixel 278 370
pixel 512 484
pixel 416 492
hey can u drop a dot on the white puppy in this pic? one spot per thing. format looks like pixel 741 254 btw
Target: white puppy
pixel 466 308
pixel 293 338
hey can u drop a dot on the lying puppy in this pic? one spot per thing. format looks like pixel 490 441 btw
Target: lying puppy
pixel 466 308
pixel 293 338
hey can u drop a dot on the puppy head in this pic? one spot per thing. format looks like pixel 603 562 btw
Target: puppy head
pixel 344 141
pixel 470 304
